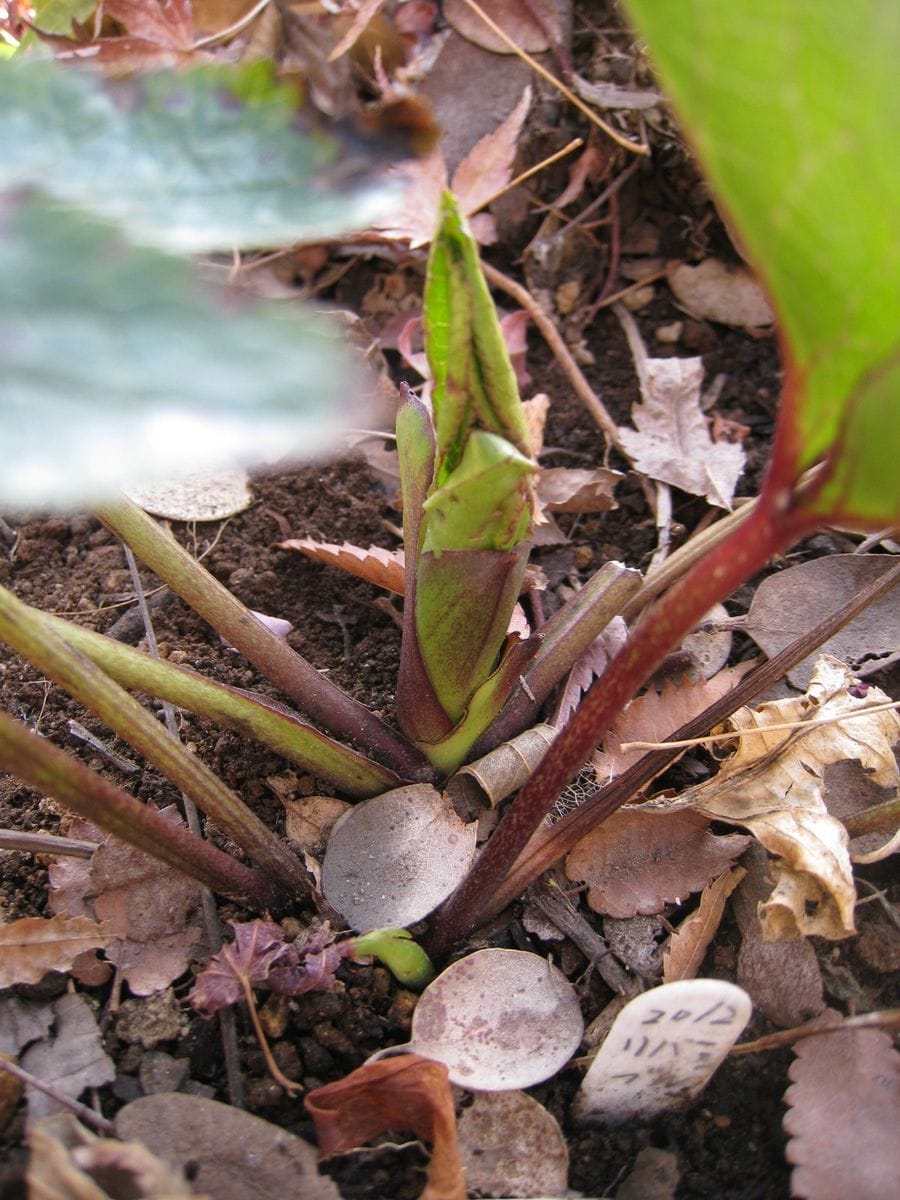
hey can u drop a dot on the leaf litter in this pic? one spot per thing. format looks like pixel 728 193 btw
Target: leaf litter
pixel 249 1135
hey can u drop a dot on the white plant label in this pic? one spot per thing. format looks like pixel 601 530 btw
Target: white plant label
pixel 663 1049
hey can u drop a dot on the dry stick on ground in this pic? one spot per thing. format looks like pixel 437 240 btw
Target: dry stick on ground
pixel 81 1111
pixel 212 927
pixel 888 1018
pixel 45 843
pixel 550 844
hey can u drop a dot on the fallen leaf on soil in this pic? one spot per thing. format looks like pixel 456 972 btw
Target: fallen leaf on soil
pixel 260 954
pixel 664 1047
pixel 589 667
pixel 686 949
pixel 152 909
pixel 514 19
pixel 773 785
pixel 206 496
pixel 653 716
pixel 671 441
pixel 783 979
pixel 158 34
pixel 710 649
pixel 511 1146
pixel 72 1059
pixel 32 946
pixel 309 820
pixel 842 1115
pixel 231 1154
pixel 366 12
pixel 404 1093
pixel 68 1162
pixel 484 171
pixel 790 602
pixel 639 861
pixel 499 1020
pixel 654 1176
pixel 391 860
pixel 575 489
pixel 488 167
pixel 21 1022
pixel 382 567
pixel 715 291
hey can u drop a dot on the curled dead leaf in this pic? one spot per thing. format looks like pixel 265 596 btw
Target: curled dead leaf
pixel 773 785
pixel 403 1093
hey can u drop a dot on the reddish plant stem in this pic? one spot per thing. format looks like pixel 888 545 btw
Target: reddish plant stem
pixel 662 628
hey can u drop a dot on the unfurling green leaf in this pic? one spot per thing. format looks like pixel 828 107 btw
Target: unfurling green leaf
pixel 468 504
pixel 484 504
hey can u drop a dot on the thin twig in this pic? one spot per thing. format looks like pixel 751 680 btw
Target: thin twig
pixel 81 1111
pixel 233 29
pixel 888 1018
pixel 45 843
pixel 575 144
pixel 561 352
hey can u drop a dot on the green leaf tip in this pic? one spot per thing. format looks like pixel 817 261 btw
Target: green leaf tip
pixel 403 957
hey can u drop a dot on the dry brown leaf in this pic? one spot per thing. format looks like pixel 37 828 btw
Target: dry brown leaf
pixel 404 1093
pixel 653 716
pixel 11 1090
pixel 153 912
pixel 231 1154
pixel 484 171
pixel 842 1115
pixel 72 1059
pixel 488 166
pixel 575 489
pixel 790 602
pixel 32 946
pixel 638 861
pixel 67 1162
pixel 367 12
pixel 514 19
pixel 590 666
pixel 714 291
pixel 684 954
pixel 848 791
pixel 671 441
pixel 773 785
pixel 512 1146
pixel 382 567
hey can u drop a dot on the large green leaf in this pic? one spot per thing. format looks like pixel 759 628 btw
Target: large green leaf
pixel 204 159
pixel 794 111
pixel 116 364
pixel 56 16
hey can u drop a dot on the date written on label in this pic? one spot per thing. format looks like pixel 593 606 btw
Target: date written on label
pixel 662 1050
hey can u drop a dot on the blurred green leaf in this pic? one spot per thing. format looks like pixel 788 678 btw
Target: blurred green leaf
pixel 209 158
pixel 56 16
pixel 115 363
pixel 794 111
